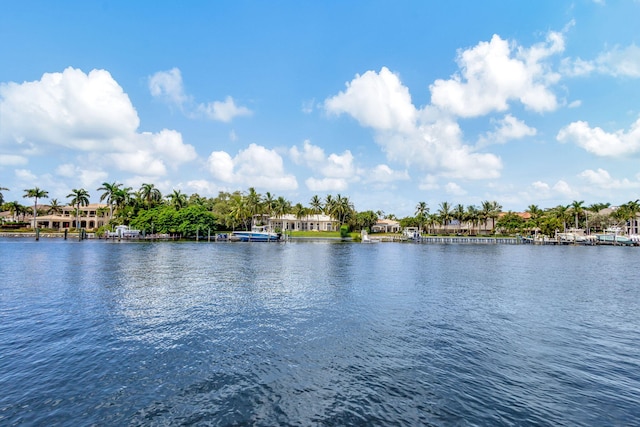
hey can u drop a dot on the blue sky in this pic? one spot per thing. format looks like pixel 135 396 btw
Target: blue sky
pixel 388 103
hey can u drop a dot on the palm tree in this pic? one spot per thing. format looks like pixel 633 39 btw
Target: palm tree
pixel 300 211
pixel 329 203
pixel 341 209
pixel 79 197
pixel 421 212
pixel 316 207
pixel 14 209
pixel 459 214
pixel 560 212
pixel 55 207
pixel 282 207
pixel 444 213
pixel 494 209
pixel 177 199
pixel 631 209
pixel 150 194
pixel 253 201
pixel 577 207
pixel 36 194
pixel 473 215
pixel 109 194
pixel 1 196
pixel 268 203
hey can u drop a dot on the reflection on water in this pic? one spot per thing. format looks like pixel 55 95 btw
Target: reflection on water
pixel 317 333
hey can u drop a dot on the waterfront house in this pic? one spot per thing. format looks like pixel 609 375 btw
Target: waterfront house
pixel 289 222
pixel 386 226
pixel 92 216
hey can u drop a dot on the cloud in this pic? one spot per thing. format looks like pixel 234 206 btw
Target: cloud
pixel 86 178
pixel 597 141
pixel 600 178
pixel 310 154
pixel 425 138
pixel 256 166
pixel 326 184
pixel 506 129
pixel 223 111
pixel 86 114
pixel 376 100
pixel 496 72
pixel 12 160
pixel 561 189
pixel 168 85
pixel 384 174
pixel 428 183
pixel 454 189
pixel 336 170
pixel 616 62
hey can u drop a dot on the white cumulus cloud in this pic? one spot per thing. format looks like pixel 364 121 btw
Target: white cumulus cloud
pixel 616 62
pixel 425 138
pixel 601 178
pixel 77 113
pixel 506 129
pixel 335 170
pixel 256 166
pixel 168 85
pixel 597 141
pixel 496 72
pixel 224 111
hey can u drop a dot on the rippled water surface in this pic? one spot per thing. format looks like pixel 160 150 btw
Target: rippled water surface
pixel 317 333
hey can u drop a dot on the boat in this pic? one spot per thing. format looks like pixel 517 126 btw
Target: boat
pixel 259 233
pixel 412 233
pixel 366 238
pixel 615 239
pixel 123 232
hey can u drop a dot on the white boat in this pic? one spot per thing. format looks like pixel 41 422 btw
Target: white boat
pixel 615 239
pixel 413 233
pixel 366 238
pixel 257 234
pixel 123 232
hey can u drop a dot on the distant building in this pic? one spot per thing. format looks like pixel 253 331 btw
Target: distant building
pixel 386 226
pixel 289 222
pixel 92 216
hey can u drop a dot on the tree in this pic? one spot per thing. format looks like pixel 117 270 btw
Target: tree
pixel 239 211
pixel 109 194
pixel 577 207
pixel 268 203
pixel 282 207
pixel 444 213
pixel 473 216
pixel 79 197
pixel 366 220
pixel 253 201
pixel 316 206
pixel 490 210
pixel 14 208
pixel 1 195
pixel 459 214
pixel 422 210
pixel 150 195
pixel 35 193
pixel 55 207
pixel 510 222
pixel 300 211
pixel 561 212
pixel 177 199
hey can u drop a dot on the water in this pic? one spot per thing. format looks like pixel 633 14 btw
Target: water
pixel 317 333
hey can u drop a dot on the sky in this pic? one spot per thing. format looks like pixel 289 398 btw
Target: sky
pixel 389 103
